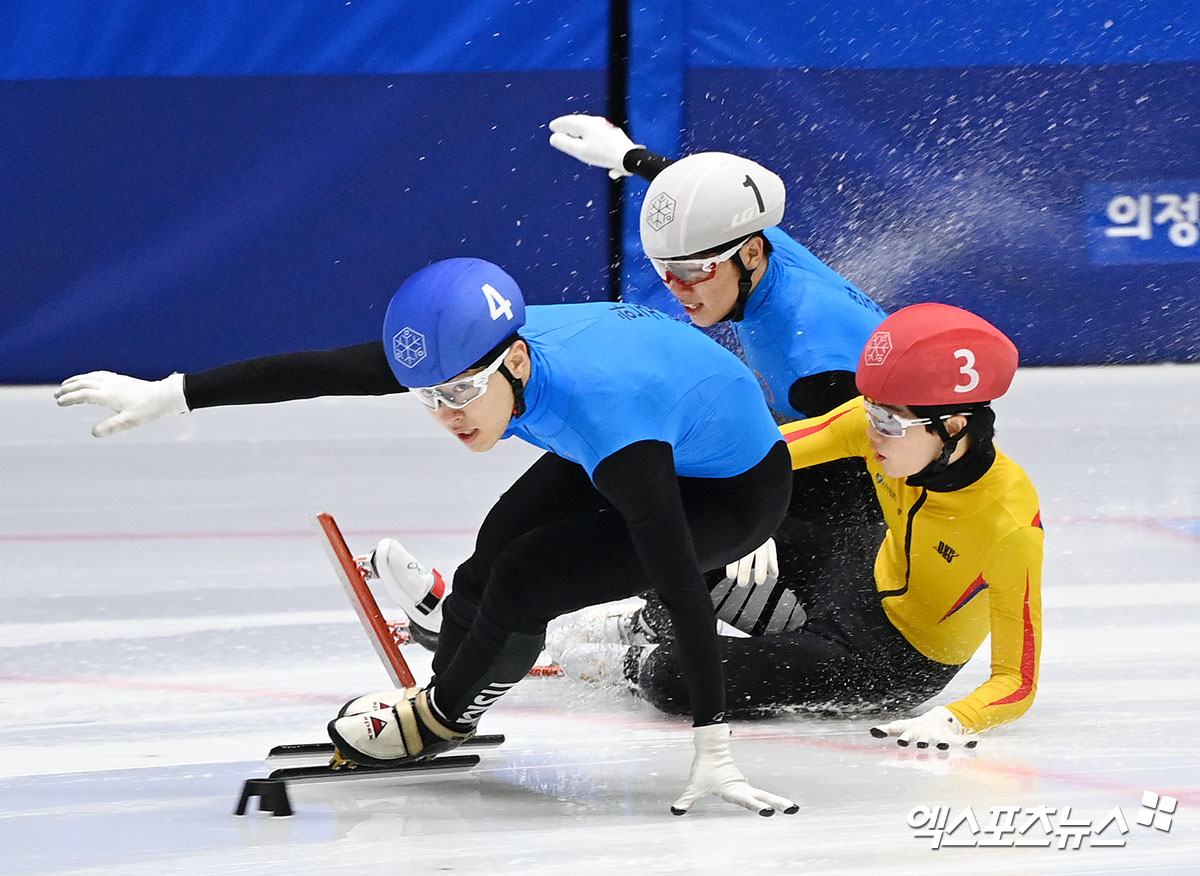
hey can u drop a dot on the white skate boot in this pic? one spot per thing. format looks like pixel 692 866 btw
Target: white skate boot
pixel 631 622
pixel 415 588
pixel 406 731
pixel 604 663
pixel 376 700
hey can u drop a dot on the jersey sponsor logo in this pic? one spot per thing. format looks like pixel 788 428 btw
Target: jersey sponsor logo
pixel 637 311
pixel 660 212
pixel 877 349
pixel 946 552
pixel 483 701
pixel 887 488
pixel 862 300
pixel 408 347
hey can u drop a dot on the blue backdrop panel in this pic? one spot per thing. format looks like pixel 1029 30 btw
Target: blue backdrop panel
pixel 175 223
pixel 890 34
pixel 968 186
pixel 658 61
pixel 186 183
pixel 75 39
pixel 1035 162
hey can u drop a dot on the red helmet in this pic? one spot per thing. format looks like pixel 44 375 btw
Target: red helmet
pixel 935 354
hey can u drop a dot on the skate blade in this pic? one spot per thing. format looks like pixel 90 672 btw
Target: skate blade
pixel 446 764
pixel 326 749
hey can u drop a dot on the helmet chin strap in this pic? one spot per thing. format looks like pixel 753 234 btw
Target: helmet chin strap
pixel 744 282
pixel 518 389
pixel 949 445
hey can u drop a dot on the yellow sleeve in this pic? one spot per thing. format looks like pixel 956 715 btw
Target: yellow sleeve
pixel 1014 580
pixel 838 434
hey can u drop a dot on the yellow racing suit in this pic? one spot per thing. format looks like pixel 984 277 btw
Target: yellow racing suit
pixel 954 566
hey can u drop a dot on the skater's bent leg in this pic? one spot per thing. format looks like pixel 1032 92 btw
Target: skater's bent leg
pixel 551 489
pixel 584 559
pixel 554 569
pixel 761 673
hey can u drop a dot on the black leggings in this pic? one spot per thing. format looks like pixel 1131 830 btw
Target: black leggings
pixel 847 656
pixel 553 544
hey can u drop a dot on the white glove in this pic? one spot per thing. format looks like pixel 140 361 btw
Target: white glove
pixel 713 772
pixel 136 402
pixel 593 141
pixel 757 566
pixel 936 727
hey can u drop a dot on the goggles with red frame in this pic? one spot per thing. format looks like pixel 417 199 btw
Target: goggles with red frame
pixel 689 272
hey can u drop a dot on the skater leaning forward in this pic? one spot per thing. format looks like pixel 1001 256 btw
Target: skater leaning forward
pixel 663 461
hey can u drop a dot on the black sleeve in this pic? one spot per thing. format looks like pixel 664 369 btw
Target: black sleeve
pixel 822 392
pixel 641 483
pixel 358 370
pixel 645 163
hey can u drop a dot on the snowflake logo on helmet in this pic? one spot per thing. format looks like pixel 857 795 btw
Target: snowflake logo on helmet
pixel 661 212
pixel 877 348
pixel 408 347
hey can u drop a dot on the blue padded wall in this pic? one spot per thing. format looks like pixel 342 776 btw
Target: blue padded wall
pixel 182 190
pixel 186 184
pixel 970 153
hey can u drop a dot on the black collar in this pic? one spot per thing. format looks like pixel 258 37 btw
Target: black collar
pixel 973 465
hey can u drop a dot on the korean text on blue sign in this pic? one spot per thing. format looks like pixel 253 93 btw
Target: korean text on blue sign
pixel 1143 222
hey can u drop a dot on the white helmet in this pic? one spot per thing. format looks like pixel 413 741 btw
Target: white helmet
pixel 705 200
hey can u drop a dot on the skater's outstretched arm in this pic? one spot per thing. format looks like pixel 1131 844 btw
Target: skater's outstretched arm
pixel 596 141
pixel 361 369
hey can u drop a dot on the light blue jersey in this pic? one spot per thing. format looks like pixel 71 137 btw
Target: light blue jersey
pixel 608 375
pixel 802 318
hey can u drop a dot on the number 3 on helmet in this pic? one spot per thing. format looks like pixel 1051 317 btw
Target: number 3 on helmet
pixel 936 354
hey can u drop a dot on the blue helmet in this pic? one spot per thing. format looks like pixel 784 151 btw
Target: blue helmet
pixel 446 317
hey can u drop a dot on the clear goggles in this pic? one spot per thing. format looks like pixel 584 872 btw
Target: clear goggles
pixel 889 424
pixel 457 394
pixel 689 272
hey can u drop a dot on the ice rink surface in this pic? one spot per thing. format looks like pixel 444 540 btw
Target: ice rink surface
pixel 168 615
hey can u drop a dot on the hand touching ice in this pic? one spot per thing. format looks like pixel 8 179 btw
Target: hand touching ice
pixel 714 772
pixel 937 727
